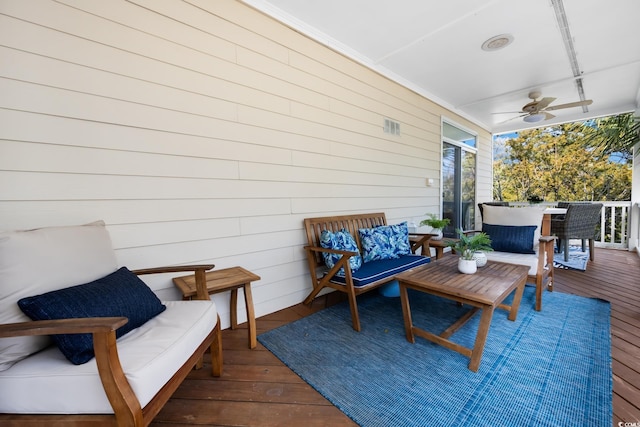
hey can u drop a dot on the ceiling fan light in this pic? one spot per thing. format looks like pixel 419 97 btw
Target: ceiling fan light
pixel 534 118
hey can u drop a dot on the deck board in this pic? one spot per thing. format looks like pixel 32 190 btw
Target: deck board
pixel 256 389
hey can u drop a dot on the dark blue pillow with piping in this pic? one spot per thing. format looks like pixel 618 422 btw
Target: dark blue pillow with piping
pixel 511 238
pixel 119 294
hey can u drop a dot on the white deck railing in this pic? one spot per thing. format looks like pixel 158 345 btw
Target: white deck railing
pixel 613 234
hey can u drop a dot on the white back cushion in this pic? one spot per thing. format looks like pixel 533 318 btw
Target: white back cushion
pixel 506 215
pixel 33 262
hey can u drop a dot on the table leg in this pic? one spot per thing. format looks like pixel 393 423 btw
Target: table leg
pixel 234 308
pixel 251 317
pixel 545 230
pixel 481 338
pixel 406 314
pixel 517 298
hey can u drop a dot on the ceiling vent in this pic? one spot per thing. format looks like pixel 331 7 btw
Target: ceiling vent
pixel 497 42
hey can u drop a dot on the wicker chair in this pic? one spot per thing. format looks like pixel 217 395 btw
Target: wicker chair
pixel 579 222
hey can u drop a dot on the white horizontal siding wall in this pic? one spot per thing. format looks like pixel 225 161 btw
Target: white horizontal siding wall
pixel 201 131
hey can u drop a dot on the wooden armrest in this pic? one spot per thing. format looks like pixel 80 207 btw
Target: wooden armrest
pixel 119 392
pixel 333 251
pixel 343 262
pixel 173 269
pixel 422 241
pixel 63 326
pixel 471 231
pixel 422 236
pixel 199 270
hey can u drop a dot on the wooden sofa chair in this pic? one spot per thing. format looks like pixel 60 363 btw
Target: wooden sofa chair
pixel 580 222
pixel 376 273
pixel 507 227
pixel 131 376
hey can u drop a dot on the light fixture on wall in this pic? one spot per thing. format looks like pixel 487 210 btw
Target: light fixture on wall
pixel 534 118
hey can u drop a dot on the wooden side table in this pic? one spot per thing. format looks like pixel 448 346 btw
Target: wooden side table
pixel 438 245
pixel 227 279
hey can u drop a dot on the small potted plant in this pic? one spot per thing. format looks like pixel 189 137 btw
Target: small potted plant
pixel 467 246
pixel 535 199
pixel 436 225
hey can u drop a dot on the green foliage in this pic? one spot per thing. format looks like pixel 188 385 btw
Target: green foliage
pixel 556 163
pixel 434 222
pixel 613 135
pixel 468 244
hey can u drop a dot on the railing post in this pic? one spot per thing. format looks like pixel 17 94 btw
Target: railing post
pixel 602 224
pixel 623 226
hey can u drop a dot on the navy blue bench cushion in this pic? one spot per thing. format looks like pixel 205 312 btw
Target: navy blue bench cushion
pixel 373 271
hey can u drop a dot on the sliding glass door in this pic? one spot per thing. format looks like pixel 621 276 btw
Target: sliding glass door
pixel 458 179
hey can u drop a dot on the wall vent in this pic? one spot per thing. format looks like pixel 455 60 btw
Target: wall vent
pixel 391 126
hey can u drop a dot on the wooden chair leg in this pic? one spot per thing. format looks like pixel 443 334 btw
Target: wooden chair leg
pixel 314 293
pixel 216 352
pixel 355 319
pixel 592 251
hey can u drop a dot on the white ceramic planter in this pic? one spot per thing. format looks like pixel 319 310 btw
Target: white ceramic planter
pixel 467 266
pixel 481 258
pixel 438 234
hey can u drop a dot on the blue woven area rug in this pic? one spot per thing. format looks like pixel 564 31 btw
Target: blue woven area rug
pixel 577 259
pixel 549 368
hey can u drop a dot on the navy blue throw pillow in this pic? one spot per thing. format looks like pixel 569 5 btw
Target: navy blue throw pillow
pixel 119 294
pixel 511 238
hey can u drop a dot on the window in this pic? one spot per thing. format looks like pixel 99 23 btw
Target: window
pixel 458 178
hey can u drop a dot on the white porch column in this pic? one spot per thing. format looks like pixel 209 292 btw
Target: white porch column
pixel 634 215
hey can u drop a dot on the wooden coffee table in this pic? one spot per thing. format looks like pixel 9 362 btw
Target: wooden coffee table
pixel 484 290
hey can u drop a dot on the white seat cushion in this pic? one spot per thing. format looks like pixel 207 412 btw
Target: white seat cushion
pixel 48 383
pixel 530 260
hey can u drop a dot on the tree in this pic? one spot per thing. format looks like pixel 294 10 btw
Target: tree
pixel 555 164
pixel 613 135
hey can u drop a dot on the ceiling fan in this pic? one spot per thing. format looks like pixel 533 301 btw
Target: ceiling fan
pixel 538 109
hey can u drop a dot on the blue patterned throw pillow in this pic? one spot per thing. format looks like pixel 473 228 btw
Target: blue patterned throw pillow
pixel 340 240
pixel 385 242
pixel 400 238
pixel 511 238
pixel 119 294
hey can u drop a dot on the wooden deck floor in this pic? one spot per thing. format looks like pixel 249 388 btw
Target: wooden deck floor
pixel 256 389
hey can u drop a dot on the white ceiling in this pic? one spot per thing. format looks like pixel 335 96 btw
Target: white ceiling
pixel 434 47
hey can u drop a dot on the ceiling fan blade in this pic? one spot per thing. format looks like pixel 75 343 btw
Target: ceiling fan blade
pixel 544 102
pixel 512 118
pixel 547 116
pixel 570 105
pixel 509 112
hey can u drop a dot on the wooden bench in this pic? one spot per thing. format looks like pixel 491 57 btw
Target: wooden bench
pixel 323 277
